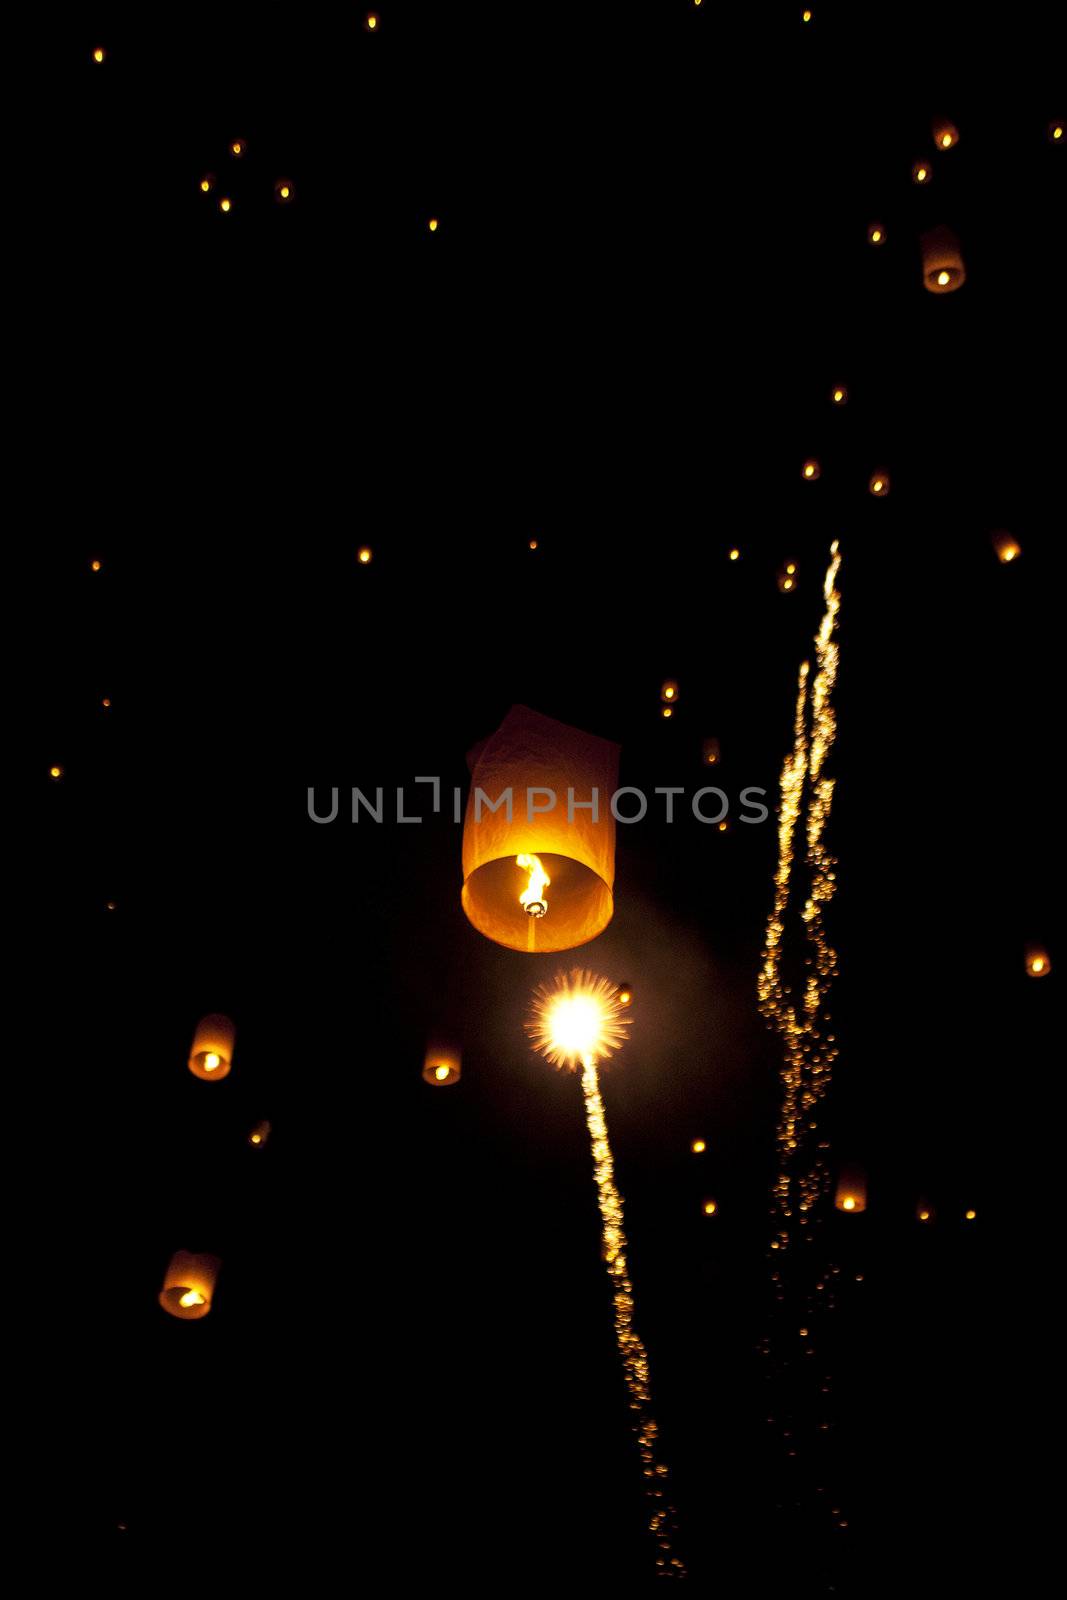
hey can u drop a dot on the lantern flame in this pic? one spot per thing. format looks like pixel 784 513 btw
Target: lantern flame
pixel 192 1297
pixel 532 897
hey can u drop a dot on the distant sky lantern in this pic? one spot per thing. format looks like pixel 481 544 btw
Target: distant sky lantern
pixel 371 22
pixel 533 544
pixel 224 204
pixel 260 1134
pixel 876 234
pixel 238 147
pixel 711 752
pixel 540 791
pixel 787 577
pixel 626 995
pixel 55 773
pixel 970 1214
pixel 711 1208
pixel 106 702
pixel 1055 133
pixel 924 1211
pixel 839 395
pixel 946 134
pixel 810 470
pixel 95 565
pixel 1007 548
pixel 365 555
pixel 99 54
pixel 212 1053
pixel 943 269
pixel 1038 964
pixel 668 712
pixel 851 1192
pixel 921 172
pixel 432 224
pixel 442 1066
pixel 189 1285
pixel 207 183
pixel 669 690
pixel 283 191
pixel 698 1146
pixel 879 484
pixel 735 554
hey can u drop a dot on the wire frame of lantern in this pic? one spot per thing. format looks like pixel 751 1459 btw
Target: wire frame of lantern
pixel 539 834
pixel 283 191
pixel 259 1134
pixel 711 751
pixel 878 484
pixel 442 1066
pixel 1038 964
pixel 189 1285
pixel 946 134
pixel 211 1056
pixel 943 268
pixel 850 1195
pixel 1008 549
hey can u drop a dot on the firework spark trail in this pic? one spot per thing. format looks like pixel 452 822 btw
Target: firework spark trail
pixel 631 1349
pixel 808 1052
pixel 578 1019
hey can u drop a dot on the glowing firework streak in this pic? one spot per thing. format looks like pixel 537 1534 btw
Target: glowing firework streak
pixel 808 1051
pixel 579 1019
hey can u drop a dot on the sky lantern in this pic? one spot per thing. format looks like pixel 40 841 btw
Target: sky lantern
pixel 946 133
pixel 851 1193
pixel 876 234
pixel 879 484
pixel 839 395
pixel 943 269
pixel 1008 548
pixel 441 1067
pixel 283 191
pixel 260 1134
pixel 539 834
pixel 669 692
pixel 712 752
pixel 189 1285
pixel 810 471
pixel 1038 964
pixel 921 172
pixel 924 1212
pixel 212 1054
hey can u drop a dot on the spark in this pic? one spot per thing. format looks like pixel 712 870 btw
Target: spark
pixel 575 1021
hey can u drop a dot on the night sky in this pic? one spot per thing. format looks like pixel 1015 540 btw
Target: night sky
pixel 650 271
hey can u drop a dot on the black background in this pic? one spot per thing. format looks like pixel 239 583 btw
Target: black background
pixel 650 271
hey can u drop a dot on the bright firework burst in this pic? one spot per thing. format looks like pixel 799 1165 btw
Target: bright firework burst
pixel 576 1019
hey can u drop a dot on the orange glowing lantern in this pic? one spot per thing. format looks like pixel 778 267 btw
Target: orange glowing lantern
pixel 851 1192
pixel 442 1066
pixel 787 577
pixel 99 54
pixel 259 1135
pixel 699 1146
pixel 839 395
pixel 625 995
pixel 921 172
pixel 539 834
pixel 924 1212
pixel 212 1054
pixel 810 471
pixel 283 191
pixel 712 752
pixel 946 134
pixel 1038 964
pixel 238 147
pixel 1007 548
pixel 1055 133
pixel 365 555
pixel 943 269
pixel 879 484
pixel 710 1208
pixel 669 691
pixel 189 1285
pixel 876 234
pixel 207 183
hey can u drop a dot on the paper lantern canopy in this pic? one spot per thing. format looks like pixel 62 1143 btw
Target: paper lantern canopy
pixel 851 1193
pixel 212 1054
pixel 189 1285
pixel 943 269
pixel 539 834
pixel 442 1066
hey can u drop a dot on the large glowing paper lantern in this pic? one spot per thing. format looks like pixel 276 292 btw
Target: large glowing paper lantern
pixel 1008 548
pixel 212 1054
pixel 189 1285
pixel 541 795
pixel 946 134
pixel 851 1192
pixel 1038 964
pixel 442 1066
pixel 943 269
